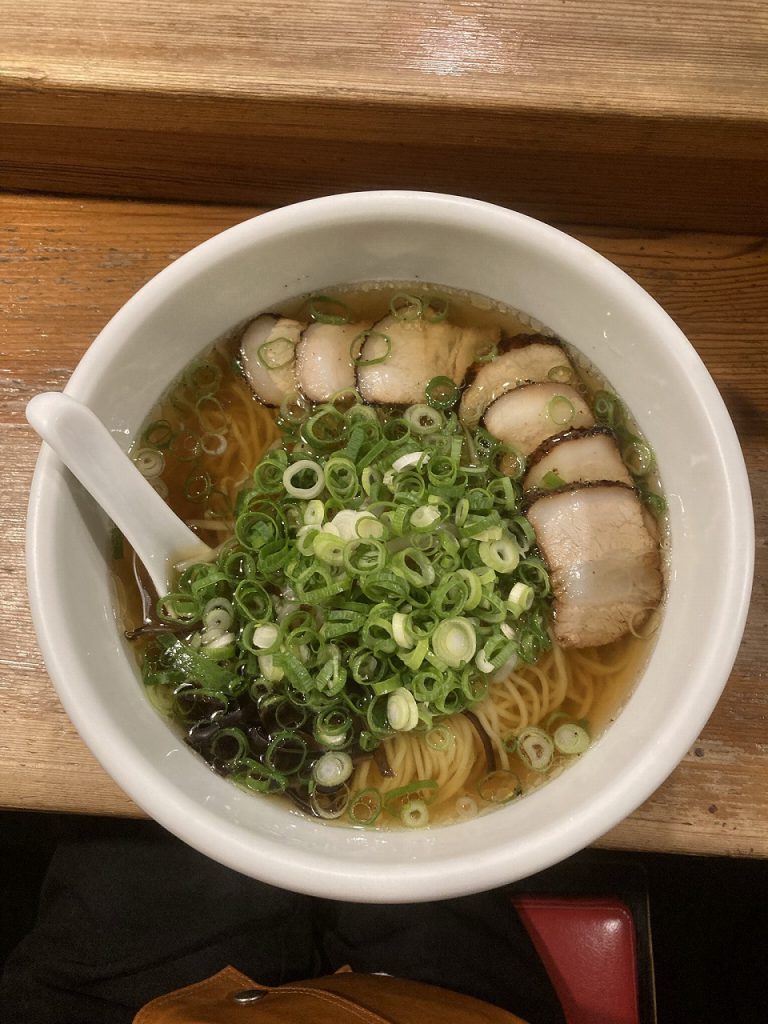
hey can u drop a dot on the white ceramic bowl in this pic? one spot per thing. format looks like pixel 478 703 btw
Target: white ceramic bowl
pixel 454 242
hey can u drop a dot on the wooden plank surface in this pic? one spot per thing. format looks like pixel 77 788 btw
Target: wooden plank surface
pixel 66 265
pixel 599 110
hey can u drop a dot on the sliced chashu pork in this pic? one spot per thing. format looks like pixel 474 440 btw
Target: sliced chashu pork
pixel 522 364
pixel 604 561
pixel 268 349
pixel 577 455
pixel 416 352
pixel 529 414
pixel 324 363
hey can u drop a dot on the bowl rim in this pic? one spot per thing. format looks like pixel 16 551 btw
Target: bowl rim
pixel 288 866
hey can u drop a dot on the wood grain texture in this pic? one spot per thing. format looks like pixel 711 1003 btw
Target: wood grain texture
pixel 680 57
pixel 604 110
pixel 67 265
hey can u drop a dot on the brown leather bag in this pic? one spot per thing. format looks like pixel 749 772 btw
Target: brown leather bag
pixel 230 997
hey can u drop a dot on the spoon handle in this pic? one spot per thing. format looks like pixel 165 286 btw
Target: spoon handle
pixel 89 451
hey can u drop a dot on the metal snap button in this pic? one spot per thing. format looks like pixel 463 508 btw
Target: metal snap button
pixel 248 995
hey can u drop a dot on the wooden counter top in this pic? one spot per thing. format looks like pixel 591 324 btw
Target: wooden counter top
pixel 585 111
pixel 66 266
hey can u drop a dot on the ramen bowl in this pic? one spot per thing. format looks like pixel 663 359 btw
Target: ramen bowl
pixel 462 244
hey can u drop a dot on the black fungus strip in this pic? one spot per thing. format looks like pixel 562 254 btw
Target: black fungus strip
pixel 382 762
pixel 485 739
pixel 298 797
pixel 156 628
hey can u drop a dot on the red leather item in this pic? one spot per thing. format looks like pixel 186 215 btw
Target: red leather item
pixel 588 948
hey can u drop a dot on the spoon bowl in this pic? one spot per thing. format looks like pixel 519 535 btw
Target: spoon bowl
pixel 88 450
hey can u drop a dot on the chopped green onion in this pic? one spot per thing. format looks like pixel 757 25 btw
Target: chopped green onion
pixel 400 631
pixel 325 309
pixel 535 748
pixel 455 642
pixel 264 638
pixel 501 555
pixel 414 658
pixel 185 446
pixel 441 393
pixel 406 307
pixel 149 462
pixel 286 752
pixel 330 805
pixel 158 434
pixel 294 409
pixel 423 419
pixel 356 348
pixel 213 443
pixel 562 374
pixel 435 308
pixel 551 480
pixel 312 472
pixel 332 769
pixel 276 353
pixel 520 599
pixel 414 814
pixel 364 807
pixel 571 739
pixel 638 458
pixel 655 502
pixel 441 737
pixel 314 513
pixel 328 548
pixel 487 352
pixel 466 808
pixel 218 613
pixel 204 378
pixel 560 410
pixel 607 408
pixel 499 787
pixel 197 486
pixel 333 727
pixel 402 712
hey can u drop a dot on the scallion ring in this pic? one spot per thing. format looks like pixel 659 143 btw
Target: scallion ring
pixel 402 711
pixel 364 807
pixel 149 462
pixel 276 353
pixel 441 393
pixel 378 338
pixel 571 739
pixel 414 814
pixel 312 473
pixel 499 787
pixel 404 306
pixel 535 748
pixel 435 308
pixel 332 769
pixel 561 374
pixel 325 309
pixel 638 458
pixel 560 410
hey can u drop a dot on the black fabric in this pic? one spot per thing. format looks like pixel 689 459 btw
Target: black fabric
pixel 129 913
pixel 476 945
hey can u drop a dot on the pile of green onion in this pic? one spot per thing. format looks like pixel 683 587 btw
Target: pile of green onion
pixel 380 573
